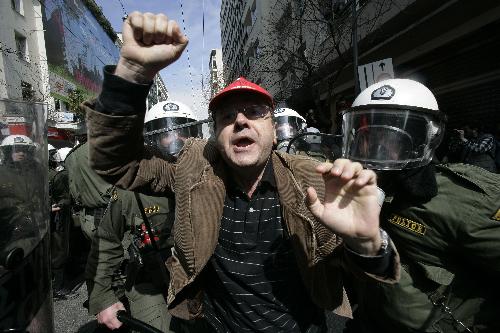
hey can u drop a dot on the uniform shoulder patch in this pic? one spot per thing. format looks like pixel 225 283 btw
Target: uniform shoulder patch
pixel 152 209
pixel 496 216
pixel 405 223
pixel 114 195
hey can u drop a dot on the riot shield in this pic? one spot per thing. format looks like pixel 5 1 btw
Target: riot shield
pixel 320 146
pixel 25 281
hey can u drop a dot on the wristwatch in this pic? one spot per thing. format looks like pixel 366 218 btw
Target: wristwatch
pixel 384 242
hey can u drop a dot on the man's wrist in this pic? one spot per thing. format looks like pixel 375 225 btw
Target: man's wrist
pixel 368 247
pixel 378 264
pixel 133 72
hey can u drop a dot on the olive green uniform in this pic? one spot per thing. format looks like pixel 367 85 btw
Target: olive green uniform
pixel 22 214
pixel 60 221
pixel 117 230
pixel 450 255
pixel 90 193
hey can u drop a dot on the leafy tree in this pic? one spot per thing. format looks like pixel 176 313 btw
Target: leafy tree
pixel 309 46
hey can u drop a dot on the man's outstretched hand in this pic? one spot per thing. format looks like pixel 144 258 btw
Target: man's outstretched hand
pixel 350 208
pixel 150 43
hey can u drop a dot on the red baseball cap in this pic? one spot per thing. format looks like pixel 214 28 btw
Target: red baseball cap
pixel 240 84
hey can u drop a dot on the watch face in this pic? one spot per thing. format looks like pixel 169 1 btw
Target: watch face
pixel 384 240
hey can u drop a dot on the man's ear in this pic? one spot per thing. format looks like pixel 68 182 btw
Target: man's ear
pixel 275 138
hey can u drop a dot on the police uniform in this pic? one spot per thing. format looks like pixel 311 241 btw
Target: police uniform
pixel 60 222
pixel 122 228
pixel 20 207
pixel 88 190
pixel 450 255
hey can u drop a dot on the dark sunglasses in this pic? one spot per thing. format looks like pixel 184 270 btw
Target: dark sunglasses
pixel 252 112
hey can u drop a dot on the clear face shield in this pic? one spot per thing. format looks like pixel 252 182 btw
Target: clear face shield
pixel 288 127
pixel 389 139
pixel 170 142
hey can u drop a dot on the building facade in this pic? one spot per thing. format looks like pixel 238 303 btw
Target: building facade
pixel 447 45
pixel 23 60
pixel 216 70
pixel 158 92
pixel 79 42
pixel 232 37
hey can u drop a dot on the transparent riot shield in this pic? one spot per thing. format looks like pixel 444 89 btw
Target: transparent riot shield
pixel 25 294
pixel 320 146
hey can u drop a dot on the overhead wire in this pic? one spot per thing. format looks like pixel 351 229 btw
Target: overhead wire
pixel 123 9
pixel 187 50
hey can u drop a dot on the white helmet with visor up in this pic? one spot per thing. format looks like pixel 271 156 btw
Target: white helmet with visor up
pixel 163 126
pixel 288 123
pixel 392 125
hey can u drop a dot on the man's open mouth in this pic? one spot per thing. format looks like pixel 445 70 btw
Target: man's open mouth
pixel 243 142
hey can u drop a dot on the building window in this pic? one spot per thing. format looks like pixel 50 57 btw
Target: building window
pixel 21 46
pixel 17 5
pixel 27 91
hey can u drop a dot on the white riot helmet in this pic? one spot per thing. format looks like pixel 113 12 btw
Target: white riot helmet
pixel 163 126
pixel 62 153
pixel 314 135
pixel 15 144
pixel 288 123
pixel 53 154
pixel 392 125
pixel 17 140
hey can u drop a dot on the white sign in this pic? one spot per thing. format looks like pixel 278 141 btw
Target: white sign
pixel 375 72
pixel 64 117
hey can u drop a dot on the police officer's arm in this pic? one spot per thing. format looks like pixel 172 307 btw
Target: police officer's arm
pixel 59 189
pixel 105 257
pixel 150 43
pixel 478 239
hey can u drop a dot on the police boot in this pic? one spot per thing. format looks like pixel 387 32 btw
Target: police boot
pixel 58 285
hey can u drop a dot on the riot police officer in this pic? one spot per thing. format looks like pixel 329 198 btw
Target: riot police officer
pixel 24 242
pixel 443 219
pixel 17 174
pixel 60 219
pixel 145 235
pixel 89 192
pixel 287 123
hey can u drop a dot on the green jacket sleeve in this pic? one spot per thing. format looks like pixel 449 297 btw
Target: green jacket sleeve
pixel 480 239
pixel 117 153
pixel 59 188
pixel 105 257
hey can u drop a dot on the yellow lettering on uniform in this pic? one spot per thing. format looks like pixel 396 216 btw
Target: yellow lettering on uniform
pixel 408 224
pixel 496 216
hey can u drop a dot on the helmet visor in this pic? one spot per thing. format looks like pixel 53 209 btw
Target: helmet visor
pixel 288 127
pixel 170 141
pixel 391 139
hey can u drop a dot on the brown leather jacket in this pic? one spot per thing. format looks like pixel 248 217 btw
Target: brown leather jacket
pixel 198 179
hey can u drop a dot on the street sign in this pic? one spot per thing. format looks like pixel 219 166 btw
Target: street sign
pixel 375 72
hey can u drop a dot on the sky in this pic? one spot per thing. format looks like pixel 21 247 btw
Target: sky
pixel 182 78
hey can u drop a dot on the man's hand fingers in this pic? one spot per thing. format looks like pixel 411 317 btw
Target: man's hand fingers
pixel 346 169
pixel 315 206
pixel 366 177
pixel 148 31
pixel 161 29
pixel 177 34
pixel 134 22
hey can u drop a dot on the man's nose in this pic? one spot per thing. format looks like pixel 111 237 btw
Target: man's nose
pixel 241 120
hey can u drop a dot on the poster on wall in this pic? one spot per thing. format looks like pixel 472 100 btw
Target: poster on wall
pixel 77 46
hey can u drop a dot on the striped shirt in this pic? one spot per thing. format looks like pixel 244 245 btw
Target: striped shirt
pixel 254 281
pixel 483 144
